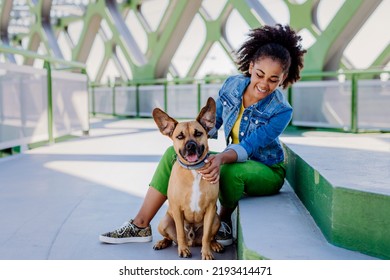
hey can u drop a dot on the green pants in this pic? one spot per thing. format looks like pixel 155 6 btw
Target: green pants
pixel 250 178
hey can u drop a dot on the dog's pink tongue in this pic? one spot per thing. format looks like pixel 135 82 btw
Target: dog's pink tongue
pixel 192 158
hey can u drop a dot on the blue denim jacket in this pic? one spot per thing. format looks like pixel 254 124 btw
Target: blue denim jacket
pixel 261 123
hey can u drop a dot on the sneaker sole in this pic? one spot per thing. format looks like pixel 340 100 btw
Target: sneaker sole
pixel 111 240
pixel 226 242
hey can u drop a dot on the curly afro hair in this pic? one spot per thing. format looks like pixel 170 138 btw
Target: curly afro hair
pixel 278 42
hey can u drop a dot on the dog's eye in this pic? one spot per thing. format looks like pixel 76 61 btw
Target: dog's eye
pixel 198 133
pixel 180 136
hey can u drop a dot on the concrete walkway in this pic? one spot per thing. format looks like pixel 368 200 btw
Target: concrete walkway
pixel 56 200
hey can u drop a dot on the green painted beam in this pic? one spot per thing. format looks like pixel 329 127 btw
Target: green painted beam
pixel 325 54
pixel 91 26
pixel 41 31
pixel 181 14
pixel 301 15
pixel 383 58
pixel 244 10
pixel 327 51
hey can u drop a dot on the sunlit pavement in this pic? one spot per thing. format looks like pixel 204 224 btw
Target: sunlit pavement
pixel 56 200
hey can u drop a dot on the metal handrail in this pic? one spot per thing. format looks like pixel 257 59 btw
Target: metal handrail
pixel 48 62
pixel 49 59
pixel 352 76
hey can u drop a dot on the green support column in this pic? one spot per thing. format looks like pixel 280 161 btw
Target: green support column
pixel 354 103
pixel 50 121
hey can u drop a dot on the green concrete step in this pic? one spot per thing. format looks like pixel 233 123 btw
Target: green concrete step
pixel 335 203
pixel 279 227
pixel 343 180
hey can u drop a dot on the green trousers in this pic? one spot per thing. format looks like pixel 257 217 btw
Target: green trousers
pixel 250 178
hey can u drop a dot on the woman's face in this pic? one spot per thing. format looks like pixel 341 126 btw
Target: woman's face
pixel 266 75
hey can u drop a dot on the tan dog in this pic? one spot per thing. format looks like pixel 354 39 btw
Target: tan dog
pixel 191 219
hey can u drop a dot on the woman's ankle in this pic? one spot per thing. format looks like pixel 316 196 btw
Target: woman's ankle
pixel 140 223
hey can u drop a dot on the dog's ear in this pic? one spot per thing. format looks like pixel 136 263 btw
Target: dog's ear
pixel 165 123
pixel 206 116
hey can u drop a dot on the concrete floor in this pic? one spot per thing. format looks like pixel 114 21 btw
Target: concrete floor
pixel 56 200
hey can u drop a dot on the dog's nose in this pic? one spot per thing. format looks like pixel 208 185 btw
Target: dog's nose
pixel 191 146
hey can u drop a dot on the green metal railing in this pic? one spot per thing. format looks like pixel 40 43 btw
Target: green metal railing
pixel 164 82
pixel 353 76
pixel 49 62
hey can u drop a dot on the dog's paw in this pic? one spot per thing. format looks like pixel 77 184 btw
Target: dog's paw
pixel 162 244
pixel 217 247
pixel 207 255
pixel 184 252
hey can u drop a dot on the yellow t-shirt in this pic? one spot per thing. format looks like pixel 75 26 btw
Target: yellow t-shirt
pixel 236 127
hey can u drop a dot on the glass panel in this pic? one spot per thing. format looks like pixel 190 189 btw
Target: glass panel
pixel 150 97
pixel 70 103
pixel 126 101
pixel 373 104
pixel 209 90
pixel 23 103
pixel 183 101
pixel 322 104
pixel 103 100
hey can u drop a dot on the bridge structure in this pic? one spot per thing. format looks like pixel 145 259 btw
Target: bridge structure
pixel 149 39
pixel 78 82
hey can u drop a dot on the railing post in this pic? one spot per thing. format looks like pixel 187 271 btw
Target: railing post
pixel 289 99
pixel 113 100
pixel 93 100
pixel 137 101
pixel 199 97
pixel 354 103
pixel 289 94
pixel 165 96
pixel 49 102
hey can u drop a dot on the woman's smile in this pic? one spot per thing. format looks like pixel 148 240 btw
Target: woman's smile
pixel 266 75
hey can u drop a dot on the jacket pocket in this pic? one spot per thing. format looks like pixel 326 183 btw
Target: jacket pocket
pixel 227 105
pixel 257 120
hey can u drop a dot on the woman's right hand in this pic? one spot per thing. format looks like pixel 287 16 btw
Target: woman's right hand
pixel 210 172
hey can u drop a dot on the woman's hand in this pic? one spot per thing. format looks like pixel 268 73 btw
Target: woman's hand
pixel 211 171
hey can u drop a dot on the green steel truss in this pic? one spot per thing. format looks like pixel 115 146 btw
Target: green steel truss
pixel 48 27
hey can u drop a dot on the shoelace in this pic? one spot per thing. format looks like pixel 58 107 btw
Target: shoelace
pixel 225 229
pixel 125 225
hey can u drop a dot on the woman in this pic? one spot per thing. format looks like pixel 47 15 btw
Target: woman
pixel 254 113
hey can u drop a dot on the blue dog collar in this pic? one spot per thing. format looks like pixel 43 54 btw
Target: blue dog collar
pixel 193 166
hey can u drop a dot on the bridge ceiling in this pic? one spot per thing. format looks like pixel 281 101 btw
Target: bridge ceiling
pixel 141 39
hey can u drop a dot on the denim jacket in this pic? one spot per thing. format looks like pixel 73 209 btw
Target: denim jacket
pixel 261 123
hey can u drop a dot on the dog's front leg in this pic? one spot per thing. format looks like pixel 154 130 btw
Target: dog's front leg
pixel 183 249
pixel 208 221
